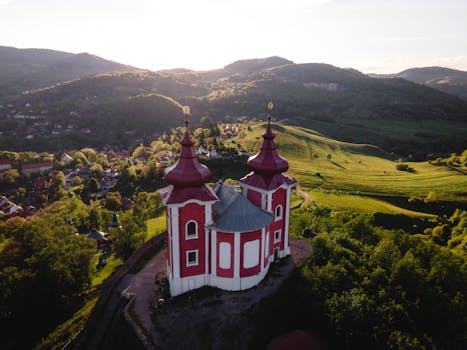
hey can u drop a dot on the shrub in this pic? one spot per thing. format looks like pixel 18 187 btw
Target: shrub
pixel 404 167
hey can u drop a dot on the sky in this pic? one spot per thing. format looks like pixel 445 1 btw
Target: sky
pixel 374 36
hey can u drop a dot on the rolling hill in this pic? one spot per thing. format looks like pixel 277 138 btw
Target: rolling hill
pixel 24 69
pixel 358 176
pixel 400 116
pixel 448 80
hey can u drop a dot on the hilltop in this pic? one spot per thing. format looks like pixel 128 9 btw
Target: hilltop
pixel 448 80
pixel 24 69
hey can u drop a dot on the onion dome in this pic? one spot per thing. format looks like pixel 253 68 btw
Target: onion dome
pixel 187 171
pixel 267 162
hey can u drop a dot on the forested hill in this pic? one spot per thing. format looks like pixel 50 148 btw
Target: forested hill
pixel 325 92
pixel 451 81
pixel 23 69
pixel 345 104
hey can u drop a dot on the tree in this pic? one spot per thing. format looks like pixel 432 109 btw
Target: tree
pixel 57 188
pixel 92 185
pixel 97 171
pixel 113 201
pixel 404 167
pixel 10 177
pixel 45 269
pixel 77 181
pixel 130 238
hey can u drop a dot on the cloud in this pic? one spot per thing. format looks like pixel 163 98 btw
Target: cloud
pixel 279 6
pixel 239 7
pixel 400 38
pixel 5 2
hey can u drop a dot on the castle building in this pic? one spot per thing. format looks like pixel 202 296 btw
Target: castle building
pixel 224 236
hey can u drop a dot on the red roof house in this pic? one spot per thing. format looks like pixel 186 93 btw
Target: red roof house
pixel 35 168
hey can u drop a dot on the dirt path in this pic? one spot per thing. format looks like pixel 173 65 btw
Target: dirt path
pixel 304 194
pixel 142 286
pixel 300 249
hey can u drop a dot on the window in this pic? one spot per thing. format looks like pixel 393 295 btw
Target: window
pixel 277 236
pixel 251 254
pixel 191 229
pixel 224 255
pixel 279 212
pixel 192 258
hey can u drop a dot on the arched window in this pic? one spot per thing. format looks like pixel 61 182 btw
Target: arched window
pixel 191 229
pixel 279 212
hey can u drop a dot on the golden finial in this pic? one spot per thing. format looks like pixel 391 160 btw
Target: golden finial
pixel 186 112
pixel 270 106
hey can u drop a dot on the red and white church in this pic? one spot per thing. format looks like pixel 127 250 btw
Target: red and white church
pixel 224 236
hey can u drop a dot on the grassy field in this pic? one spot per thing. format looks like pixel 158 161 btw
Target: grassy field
pixel 346 175
pixel 156 225
pixel 112 265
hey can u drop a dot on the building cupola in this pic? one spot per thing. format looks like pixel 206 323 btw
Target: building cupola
pixel 187 171
pixel 187 178
pixel 267 166
pixel 267 162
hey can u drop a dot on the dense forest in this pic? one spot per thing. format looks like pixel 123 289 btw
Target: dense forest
pixel 370 287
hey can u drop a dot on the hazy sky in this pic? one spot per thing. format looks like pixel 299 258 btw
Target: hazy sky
pixel 369 35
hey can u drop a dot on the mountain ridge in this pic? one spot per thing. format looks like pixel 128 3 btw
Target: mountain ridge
pixel 25 69
pixel 448 80
pixel 393 113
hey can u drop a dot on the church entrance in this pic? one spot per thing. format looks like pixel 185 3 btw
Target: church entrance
pixel 276 254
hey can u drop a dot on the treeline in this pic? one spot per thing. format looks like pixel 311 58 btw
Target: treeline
pixel 47 264
pixel 373 288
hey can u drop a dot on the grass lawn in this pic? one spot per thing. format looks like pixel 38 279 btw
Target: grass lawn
pixel 156 226
pixel 112 265
pixel 360 203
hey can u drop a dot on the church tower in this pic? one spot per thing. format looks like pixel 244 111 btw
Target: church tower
pixel 189 204
pixel 267 187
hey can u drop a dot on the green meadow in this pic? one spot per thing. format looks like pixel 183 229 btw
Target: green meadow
pixel 357 176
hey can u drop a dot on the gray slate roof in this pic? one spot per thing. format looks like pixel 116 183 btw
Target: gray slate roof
pixel 95 234
pixel 235 213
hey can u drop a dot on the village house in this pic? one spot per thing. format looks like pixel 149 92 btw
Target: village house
pixel 65 158
pixel 213 153
pixel 40 184
pixel 9 208
pixel 201 151
pixel 5 165
pixel 36 168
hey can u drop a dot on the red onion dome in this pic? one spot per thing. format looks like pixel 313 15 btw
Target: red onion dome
pixel 267 162
pixel 187 171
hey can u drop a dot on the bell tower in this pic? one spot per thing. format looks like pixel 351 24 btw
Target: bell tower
pixel 189 204
pixel 267 187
